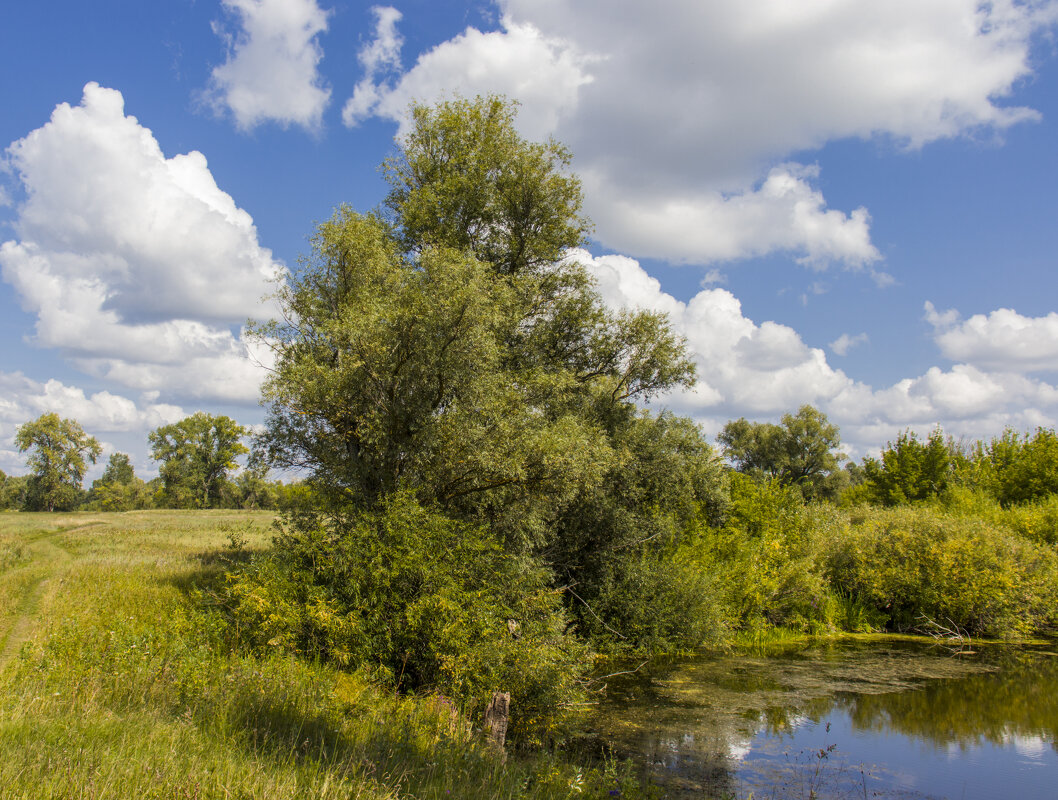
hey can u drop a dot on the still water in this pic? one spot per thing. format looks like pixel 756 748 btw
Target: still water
pixel 852 719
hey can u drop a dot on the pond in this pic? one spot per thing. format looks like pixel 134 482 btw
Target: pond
pixel 845 719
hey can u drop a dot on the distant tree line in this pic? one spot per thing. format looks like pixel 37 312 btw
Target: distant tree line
pixel 802 452
pixel 198 468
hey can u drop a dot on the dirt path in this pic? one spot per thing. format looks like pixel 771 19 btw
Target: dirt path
pixel 54 557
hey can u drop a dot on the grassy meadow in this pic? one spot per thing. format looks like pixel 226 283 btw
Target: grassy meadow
pixel 117 681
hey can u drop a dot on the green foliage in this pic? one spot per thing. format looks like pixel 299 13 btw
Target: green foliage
pixel 119 489
pixel 196 455
pixel 1018 469
pixel 252 488
pixel 13 492
pixel 1037 521
pixel 622 540
pixel 916 562
pixel 425 602
pixel 118 470
pixel 910 470
pixel 800 452
pixel 770 553
pixel 60 448
pixel 120 496
pixel 660 599
pixel 848 612
pixel 465 180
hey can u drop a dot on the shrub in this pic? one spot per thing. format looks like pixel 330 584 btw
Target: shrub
pixel 920 561
pixel 424 602
pixel 658 601
pixel 770 553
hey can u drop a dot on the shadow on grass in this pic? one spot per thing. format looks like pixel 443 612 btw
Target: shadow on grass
pixel 210 569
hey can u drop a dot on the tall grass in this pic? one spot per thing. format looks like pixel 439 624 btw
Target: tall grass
pixel 128 687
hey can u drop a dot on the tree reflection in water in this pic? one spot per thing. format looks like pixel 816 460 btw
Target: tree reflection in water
pixel 729 726
pixel 1019 700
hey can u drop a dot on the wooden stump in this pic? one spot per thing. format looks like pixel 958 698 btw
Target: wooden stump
pixel 497 714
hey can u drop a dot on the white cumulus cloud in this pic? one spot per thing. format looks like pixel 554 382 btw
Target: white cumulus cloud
pixel 684 115
pixel 23 400
pixel 784 213
pixel 380 57
pixel 766 369
pixel 1002 340
pixel 137 266
pixel 743 367
pixel 544 73
pixel 272 69
pixel 844 343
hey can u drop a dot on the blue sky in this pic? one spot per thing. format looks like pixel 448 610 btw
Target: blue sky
pixel 845 204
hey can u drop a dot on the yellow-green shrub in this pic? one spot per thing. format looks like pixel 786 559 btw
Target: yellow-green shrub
pixel 913 563
pixel 770 554
pixel 658 601
pixel 424 602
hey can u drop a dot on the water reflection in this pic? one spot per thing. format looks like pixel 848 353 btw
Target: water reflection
pixel 879 719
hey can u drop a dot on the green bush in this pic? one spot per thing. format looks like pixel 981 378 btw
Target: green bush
pixel 422 601
pixel 658 601
pixel 914 563
pixel 770 554
pixel 1018 468
pixel 1036 521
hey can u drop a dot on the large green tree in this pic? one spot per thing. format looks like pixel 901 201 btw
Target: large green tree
pixel 195 455
pixel 60 454
pixel 802 451
pixel 450 348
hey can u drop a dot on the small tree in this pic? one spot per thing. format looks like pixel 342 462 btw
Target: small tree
pixel 196 455
pixel 910 470
pixel 60 450
pixel 118 470
pixel 14 489
pixel 252 487
pixel 119 489
pixel 800 452
pixel 1016 468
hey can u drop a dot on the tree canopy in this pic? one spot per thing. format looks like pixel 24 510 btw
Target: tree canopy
pixel 196 455
pixel 451 349
pixel 118 470
pixel 910 469
pixel 801 451
pixel 60 449
pixel 464 179
pixel 118 489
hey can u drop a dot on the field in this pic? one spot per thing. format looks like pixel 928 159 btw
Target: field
pixel 117 680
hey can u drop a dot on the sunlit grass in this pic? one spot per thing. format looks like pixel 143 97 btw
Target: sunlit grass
pixel 126 686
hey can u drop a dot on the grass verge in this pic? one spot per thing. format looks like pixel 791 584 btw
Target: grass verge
pixel 126 685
